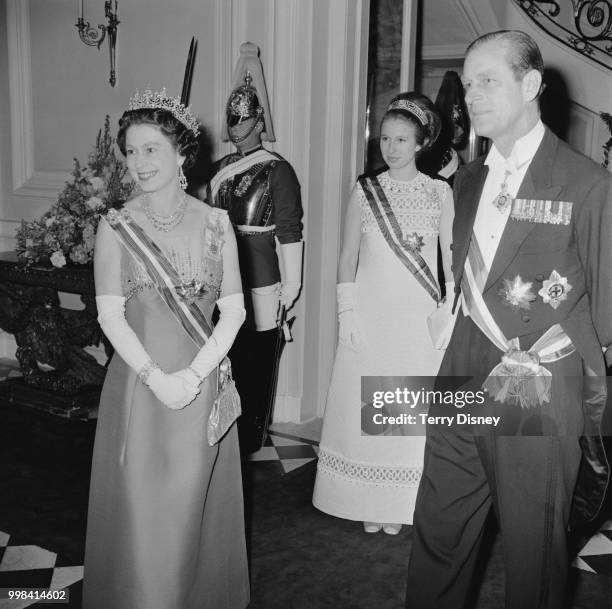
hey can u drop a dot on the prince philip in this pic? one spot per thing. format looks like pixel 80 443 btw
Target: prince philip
pixel 532 251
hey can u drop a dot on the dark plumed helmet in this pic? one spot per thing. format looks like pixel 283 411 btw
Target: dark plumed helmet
pixel 249 95
pixel 243 103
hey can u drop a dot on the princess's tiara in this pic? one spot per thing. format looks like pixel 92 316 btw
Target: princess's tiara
pixel 406 104
pixel 161 101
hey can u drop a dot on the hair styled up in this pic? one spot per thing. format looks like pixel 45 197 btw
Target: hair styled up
pixel 425 118
pixel 180 136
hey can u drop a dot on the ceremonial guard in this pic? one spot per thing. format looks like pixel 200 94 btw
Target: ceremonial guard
pixel 261 192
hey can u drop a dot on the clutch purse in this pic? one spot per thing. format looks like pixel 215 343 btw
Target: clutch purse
pixel 440 325
pixel 226 408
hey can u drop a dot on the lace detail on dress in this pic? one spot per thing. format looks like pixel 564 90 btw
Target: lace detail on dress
pixel 368 474
pixel 134 277
pixel 197 260
pixel 417 204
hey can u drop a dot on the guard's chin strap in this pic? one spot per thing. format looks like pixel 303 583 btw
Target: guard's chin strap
pixel 237 140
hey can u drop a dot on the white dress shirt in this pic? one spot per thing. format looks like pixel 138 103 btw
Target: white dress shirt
pixel 490 222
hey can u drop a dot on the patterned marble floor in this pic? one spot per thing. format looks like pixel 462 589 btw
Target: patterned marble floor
pixel 23 563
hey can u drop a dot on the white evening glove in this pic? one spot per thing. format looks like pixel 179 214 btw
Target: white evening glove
pixel 174 390
pixel 348 330
pixel 291 272
pixel 168 389
pixel 231 317
pixel 442 321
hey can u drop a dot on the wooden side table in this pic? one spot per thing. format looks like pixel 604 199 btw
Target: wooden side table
pixel 46 333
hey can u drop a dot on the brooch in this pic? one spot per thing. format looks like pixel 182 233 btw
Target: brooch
pixel 542 211
pixel 414 242
pixel 554 290
pixel 517 293
pixel 243 185
pixel 114 216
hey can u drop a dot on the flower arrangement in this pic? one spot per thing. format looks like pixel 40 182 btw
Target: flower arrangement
pixel 66 233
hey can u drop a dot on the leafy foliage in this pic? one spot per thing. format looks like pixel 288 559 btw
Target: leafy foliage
pixel 66 233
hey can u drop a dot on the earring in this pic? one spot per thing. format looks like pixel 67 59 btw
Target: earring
pixel 181 178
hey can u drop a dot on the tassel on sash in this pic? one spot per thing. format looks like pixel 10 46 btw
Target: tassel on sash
pixel 519 378
pixel 391 231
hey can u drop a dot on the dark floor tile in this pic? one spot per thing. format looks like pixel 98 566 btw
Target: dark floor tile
pixel 32 578
pixel 296 452
pixel 602 564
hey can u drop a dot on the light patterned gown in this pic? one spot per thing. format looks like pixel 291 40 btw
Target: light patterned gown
pixel 165 523
pixel 375 477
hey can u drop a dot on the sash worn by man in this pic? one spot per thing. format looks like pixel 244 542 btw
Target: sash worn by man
pixel 532 245
pixel 262 195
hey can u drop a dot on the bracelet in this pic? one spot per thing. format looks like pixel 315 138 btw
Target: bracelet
pixel 195 372
pixel 145 372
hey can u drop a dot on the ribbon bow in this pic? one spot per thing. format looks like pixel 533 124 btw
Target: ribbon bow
pixel 519 379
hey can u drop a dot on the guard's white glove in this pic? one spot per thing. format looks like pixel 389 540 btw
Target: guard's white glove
pixel 291 272
pixel 289 292
pixel 169 389
pixel 231 317
pixel 348 330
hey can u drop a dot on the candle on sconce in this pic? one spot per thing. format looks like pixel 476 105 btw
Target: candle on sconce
pixel 93 37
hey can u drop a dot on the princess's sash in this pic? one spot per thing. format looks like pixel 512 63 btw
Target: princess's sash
pixel 391 231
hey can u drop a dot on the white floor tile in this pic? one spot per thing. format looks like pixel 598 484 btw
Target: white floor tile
pixel 598 544
pixel 65 576
pixel 20 558
pixel 279 441
pixel 11 604
pixel 290 464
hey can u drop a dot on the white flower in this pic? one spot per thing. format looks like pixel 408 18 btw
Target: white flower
pixel 96 183
pixel 79 255
pixel 58 259
pixel 94 203
pixel 50 221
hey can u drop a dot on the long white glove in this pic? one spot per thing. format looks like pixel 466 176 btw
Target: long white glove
pixel 349 333
pixel 232 315
pixel 442 321
pixel 170 389
pixel 291 272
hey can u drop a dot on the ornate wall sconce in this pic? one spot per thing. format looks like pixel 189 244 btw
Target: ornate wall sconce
pixel 92 37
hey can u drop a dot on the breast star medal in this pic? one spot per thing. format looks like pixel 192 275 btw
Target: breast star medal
pixel 554 290
pixel 517 293
pixel 415 242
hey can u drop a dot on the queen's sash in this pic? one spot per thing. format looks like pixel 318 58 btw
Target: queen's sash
pixel 162 273
pixel 237 167
pixel 391 231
